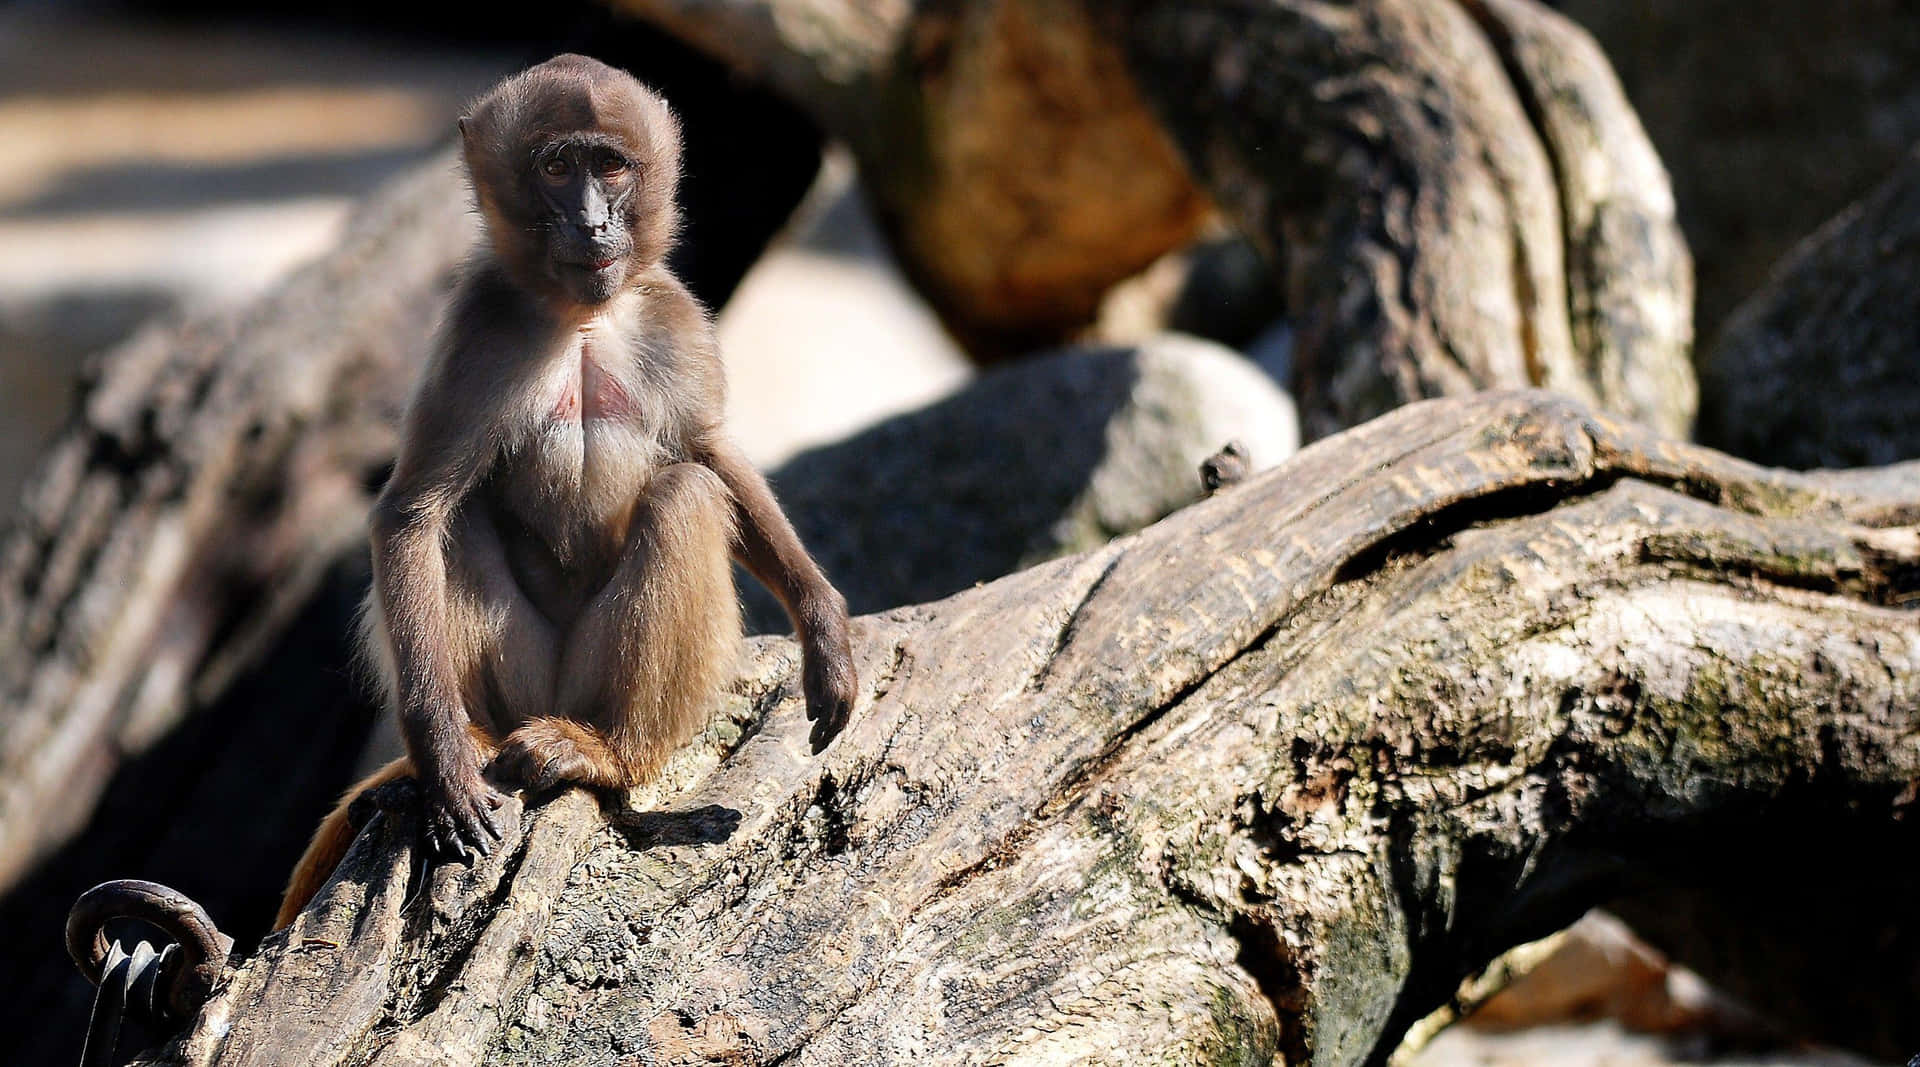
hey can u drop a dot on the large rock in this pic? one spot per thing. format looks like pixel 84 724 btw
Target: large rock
pixel 1821 368
pixel 1038 459
pixel 1771 117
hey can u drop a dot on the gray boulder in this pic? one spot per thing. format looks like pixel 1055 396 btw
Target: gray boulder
pixel 1033 460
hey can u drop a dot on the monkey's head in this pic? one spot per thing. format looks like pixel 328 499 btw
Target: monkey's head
pixel 574 165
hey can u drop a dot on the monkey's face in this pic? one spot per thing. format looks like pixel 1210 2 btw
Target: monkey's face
pixel 585 188
pixel 574 166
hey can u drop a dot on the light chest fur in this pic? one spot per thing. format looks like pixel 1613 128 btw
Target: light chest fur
pixel 602 417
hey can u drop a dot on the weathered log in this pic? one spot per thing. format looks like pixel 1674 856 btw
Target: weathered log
pixel 1264 780
pixel 1009 155
pixel 1462 193
pixel 1821 367
pixel 215 470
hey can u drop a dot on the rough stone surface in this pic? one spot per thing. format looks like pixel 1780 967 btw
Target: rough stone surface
pixel 1821 367
pixel 1054 455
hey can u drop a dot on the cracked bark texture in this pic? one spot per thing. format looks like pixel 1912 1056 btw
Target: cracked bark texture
pixel 1461 193
pixel 1821 367
pixel 1262 782
pixel 215 469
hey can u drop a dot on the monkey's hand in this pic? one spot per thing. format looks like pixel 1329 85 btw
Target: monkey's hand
pixel 461 817
pixel 829 681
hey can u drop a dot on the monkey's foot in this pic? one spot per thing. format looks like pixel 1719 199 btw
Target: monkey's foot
pixel 397 797
pixel 545 752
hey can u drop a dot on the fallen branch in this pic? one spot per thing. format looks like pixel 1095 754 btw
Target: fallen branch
pixel 1264 780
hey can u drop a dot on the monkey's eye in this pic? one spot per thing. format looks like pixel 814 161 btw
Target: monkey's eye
pixel 610 164
pixel 556 167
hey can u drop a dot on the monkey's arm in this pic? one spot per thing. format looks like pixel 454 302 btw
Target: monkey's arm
pixel 438 465
pixel 766 544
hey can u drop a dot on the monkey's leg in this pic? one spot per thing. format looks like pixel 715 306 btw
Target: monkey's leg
pixel 504 651
pixel 644 665
pixel 507 649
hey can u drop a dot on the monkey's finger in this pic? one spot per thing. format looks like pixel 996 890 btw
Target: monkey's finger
pixel 457 840
pixel 446 835
pixel 489 817
pixel 827 724
pixel 470 831
pixel 478 831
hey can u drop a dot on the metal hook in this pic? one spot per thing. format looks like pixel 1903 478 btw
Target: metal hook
pixel 186 970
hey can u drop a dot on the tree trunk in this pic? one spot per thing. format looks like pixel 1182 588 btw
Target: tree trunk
pixel 1461 190
pixel 1265 780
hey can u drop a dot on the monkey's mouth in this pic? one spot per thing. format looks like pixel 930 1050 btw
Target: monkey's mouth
pixel 592 264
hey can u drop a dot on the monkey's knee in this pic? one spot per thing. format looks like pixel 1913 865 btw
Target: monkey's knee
pixel 690 500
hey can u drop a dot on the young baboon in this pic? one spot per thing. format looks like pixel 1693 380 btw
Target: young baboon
pixel 551 586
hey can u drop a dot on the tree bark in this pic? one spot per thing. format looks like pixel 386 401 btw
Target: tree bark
pixel 1817 369
pixel 1264 780
pixel 1464 198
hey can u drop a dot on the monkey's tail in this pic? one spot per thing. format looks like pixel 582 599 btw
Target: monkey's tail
pixel 329 845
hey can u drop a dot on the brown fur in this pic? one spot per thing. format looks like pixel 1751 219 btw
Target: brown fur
pixel 551 553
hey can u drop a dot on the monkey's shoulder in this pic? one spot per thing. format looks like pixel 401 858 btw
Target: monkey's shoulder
pixel 673 337
pixel 489 326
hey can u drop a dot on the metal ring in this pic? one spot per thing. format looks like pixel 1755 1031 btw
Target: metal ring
pixel 203 948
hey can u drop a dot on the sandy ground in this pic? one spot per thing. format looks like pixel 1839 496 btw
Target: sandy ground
pixel 146 168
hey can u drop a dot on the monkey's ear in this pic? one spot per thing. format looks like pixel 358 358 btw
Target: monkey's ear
pixel 462 123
